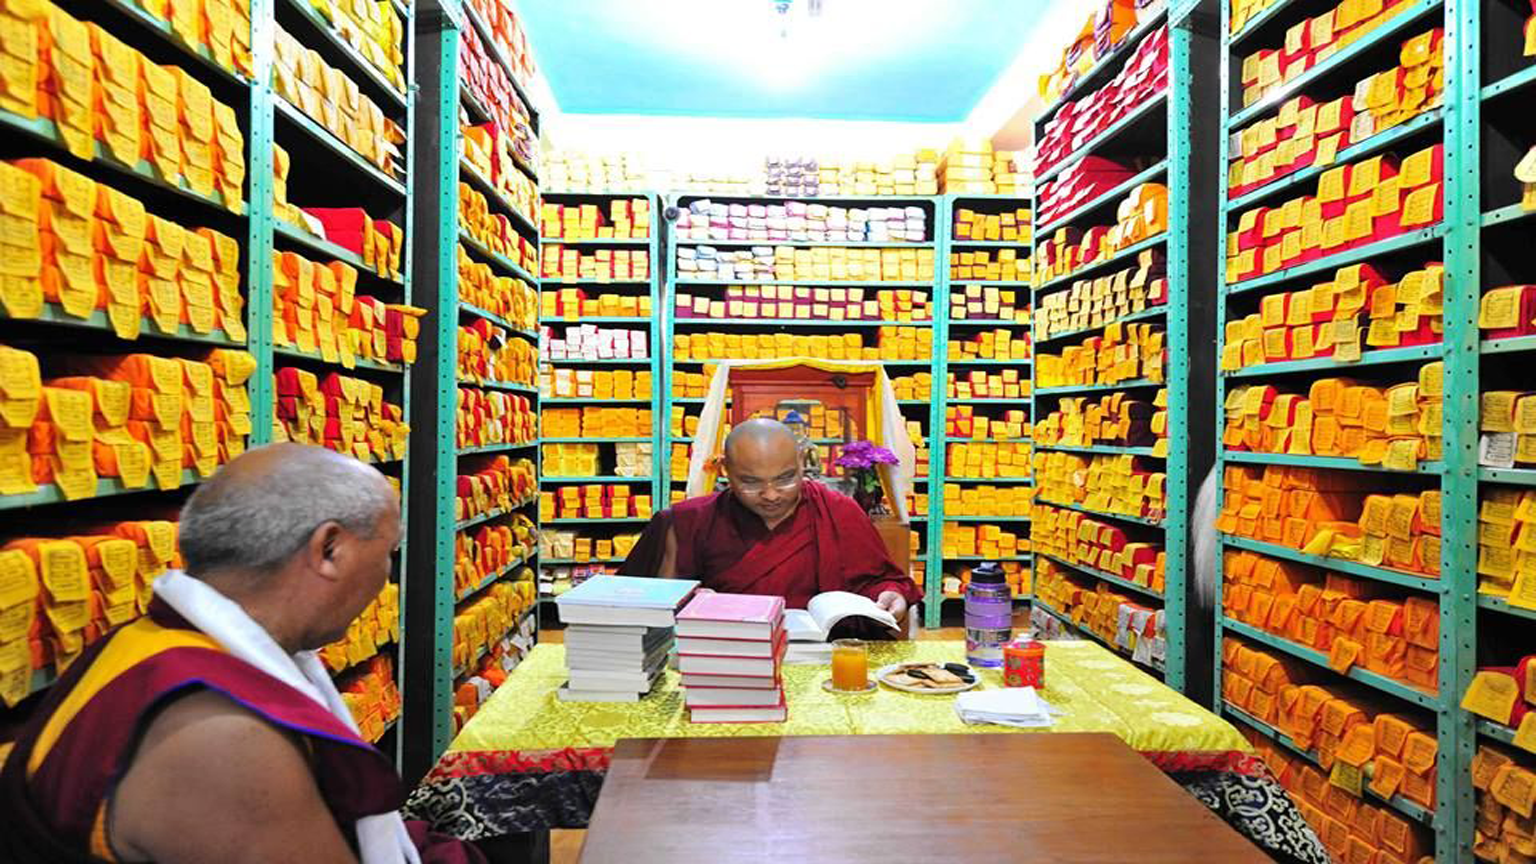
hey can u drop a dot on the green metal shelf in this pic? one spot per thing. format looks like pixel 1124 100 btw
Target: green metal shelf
pixel 974 400
pixel 1252 25
pixel 718 360
pixel 502 261
pixel 1113 131
pixel 1131 317
pixel 588 561
pixel 597 241
pixel 328 141
pixel 604 478
pixel 359 363
pixel 592 319
pixel 1499 604
pixel 53 313
pixel 1506 346
pixel 797 322
pixel 106 487
pixel 1518 476
pixel 1342 259
pixel 591 400
pixel 986 440
pixel 510 386
pixel 1104 514
pixel 583 439
pixel 356 60
pixel 1104 263
pixel 864 244
pixel 1374 144
pixel 1337 463
pixel 164 32
pixel 1004 480
pixel 1407 692
pixel 322 246
pixel 44 129
pixel 497 448
pixel 1382 33
pixel 987 322
pixel 487 516
pixel 1107 449
pixel 594 520
pixel 1396 802
pixel 1511 213
pixel 1368 358
pixel 1021 557
pixel 1518 81
pixel 1490 729
pixel 42 679
pixel 609 361
pixel 1113 195
pixel 996 283
pixel 1106 576
pixel 808 283
pixel 949 517
pixel 992 244
pixel 1340 565
pixel 979 361
pixel 1098 388
pixel 494 195
pixel 462 671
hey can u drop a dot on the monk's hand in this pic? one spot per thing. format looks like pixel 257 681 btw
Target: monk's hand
pixel 894 603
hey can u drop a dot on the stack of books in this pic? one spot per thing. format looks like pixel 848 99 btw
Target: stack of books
pixel 730 650
pixel 619 634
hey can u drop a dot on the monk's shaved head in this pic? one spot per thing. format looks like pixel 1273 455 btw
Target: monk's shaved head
pixel 762 463
pixel 759 433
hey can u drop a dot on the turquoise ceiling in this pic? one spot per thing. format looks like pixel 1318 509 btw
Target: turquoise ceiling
pixel 906 60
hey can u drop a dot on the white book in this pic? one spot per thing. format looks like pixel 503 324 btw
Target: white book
pixel 582 679
pixel 727 647
pixel 825 610
pixel 619 642
pixel 631 601
pixel 775 714
pixel 607 662
pixel 732 697
pixel 566 694
pixel 748 682
pixel 761 667
pixel 808 653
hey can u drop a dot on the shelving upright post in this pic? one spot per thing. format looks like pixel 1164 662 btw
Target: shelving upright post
pixel 443 174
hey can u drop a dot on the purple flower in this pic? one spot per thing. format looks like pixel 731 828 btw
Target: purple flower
pixel 864 456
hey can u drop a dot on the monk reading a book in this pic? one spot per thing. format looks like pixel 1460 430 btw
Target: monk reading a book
pixel 772 532
pixel 208 730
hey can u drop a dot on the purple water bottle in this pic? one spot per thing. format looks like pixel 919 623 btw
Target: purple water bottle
pixel 988 615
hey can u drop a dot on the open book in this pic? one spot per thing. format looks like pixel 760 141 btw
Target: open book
pixel 816 620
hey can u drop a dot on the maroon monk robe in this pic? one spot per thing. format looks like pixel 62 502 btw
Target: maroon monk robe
pixel 56 782
pixel 827 544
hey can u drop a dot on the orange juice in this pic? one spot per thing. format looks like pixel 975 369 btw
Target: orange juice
pixel 850 665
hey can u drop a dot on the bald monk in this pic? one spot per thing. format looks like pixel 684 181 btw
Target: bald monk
pixel 773 533
pixel 201 732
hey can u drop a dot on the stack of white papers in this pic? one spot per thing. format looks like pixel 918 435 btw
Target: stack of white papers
pixel 1009 706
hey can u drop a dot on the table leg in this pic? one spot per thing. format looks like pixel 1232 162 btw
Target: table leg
pixel 531 847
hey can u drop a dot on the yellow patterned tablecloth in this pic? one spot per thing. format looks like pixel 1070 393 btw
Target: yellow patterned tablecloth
pixel 1095 690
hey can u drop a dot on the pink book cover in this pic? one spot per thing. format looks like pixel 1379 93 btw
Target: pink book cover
pixel 743 608
pixel 780 640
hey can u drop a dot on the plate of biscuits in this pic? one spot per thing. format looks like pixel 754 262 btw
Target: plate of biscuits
pixel 928 678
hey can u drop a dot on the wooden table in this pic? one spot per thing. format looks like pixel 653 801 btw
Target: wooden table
pixel 891 798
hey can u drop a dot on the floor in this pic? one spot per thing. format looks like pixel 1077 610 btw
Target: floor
pixel 565 845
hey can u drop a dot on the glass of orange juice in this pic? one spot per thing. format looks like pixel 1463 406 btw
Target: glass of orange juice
pixel 850 665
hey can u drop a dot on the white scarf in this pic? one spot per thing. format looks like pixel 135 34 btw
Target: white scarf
pixel 382 838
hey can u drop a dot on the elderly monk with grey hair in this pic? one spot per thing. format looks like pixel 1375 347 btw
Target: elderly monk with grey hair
pixel 208 730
